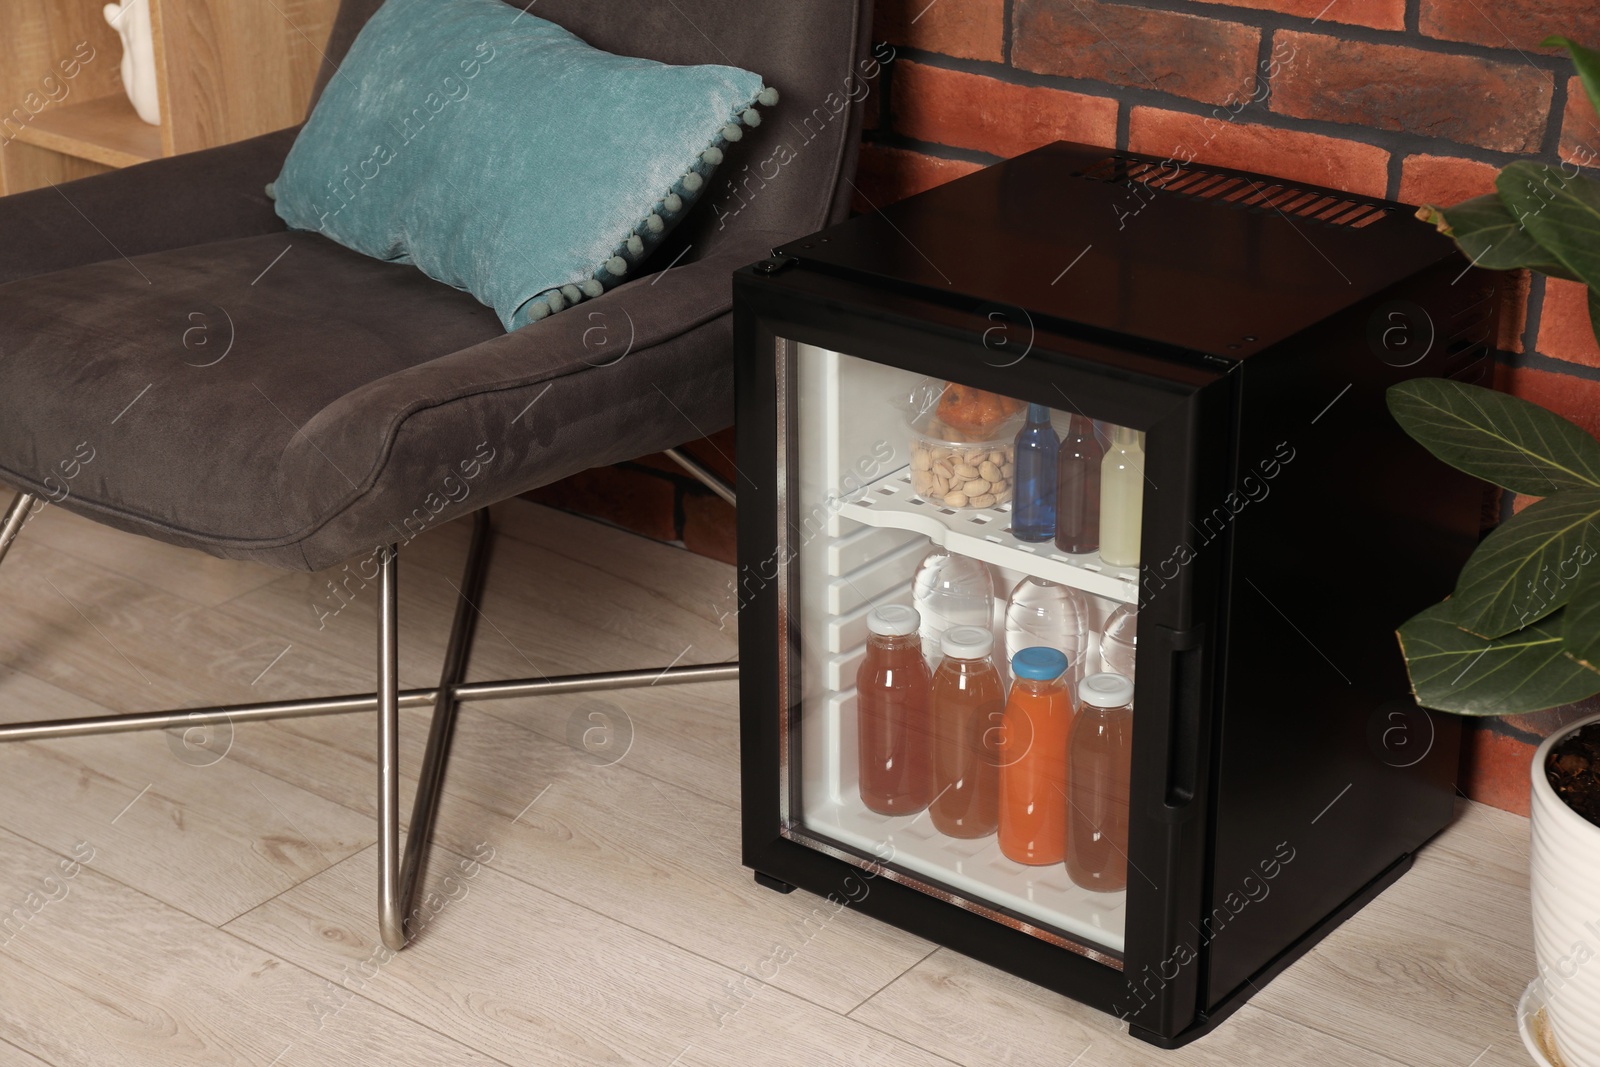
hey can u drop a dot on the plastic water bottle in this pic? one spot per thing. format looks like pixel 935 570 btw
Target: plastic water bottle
pixel 950 590
pixel 1045 614
pixel 1033 508
pixel 1120 641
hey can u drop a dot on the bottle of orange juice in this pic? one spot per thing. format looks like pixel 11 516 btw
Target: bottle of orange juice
pixel 1033 758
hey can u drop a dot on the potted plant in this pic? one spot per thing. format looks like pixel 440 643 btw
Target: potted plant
pixel 1521 631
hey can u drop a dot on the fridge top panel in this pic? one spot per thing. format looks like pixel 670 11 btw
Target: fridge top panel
pixel 1202 258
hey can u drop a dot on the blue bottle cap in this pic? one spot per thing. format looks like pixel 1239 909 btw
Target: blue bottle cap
pixel 1040 664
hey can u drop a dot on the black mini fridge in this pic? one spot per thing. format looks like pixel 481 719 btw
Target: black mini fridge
pixel 1236 331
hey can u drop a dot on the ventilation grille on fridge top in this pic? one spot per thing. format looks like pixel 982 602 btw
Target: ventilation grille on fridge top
pixel 1203 184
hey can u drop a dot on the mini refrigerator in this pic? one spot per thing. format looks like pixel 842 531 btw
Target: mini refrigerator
pixel 1233 332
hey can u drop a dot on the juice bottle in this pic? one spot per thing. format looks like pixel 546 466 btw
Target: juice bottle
pixel 1122 498
pixel 1033 509
pixel 966 700
pixel 1078 488
pixel 894 738
pixel 1033 758
pixel 1099 763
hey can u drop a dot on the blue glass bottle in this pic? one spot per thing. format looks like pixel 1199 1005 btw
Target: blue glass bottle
pixel 1033 507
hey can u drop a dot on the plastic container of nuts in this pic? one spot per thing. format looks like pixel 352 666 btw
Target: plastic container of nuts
pixel 950 469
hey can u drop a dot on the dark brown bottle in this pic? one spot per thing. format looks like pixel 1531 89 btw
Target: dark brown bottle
pixel 1078 488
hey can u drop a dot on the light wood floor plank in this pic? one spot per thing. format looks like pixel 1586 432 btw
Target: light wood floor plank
pixel 211 838
pixel 975 1015
pixel 104 975
pixel 508 968
pixel 194 576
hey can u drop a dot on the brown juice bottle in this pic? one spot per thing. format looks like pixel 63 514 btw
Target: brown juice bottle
pixel 1099 763
pixel 967 698
pixel 893 731
pixel 1078 488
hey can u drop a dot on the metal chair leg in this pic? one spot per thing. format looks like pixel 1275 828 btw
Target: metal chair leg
pixel 706 475
pixel 16 518
pixel 430 784
pixel 391 922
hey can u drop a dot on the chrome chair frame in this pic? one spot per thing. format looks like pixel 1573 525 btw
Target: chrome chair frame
pixel 398 875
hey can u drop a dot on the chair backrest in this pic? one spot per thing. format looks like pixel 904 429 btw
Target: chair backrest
pixel 788 175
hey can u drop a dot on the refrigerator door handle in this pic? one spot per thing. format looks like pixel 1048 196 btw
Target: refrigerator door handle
pixel 1184 659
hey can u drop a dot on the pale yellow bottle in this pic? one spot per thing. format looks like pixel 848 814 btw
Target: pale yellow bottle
pixel 1122 497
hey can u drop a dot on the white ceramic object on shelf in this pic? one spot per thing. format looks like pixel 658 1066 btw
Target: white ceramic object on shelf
pixel 131 20
pixel 1566 915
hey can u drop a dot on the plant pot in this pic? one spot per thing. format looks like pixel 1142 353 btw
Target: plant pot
pixel 1566 915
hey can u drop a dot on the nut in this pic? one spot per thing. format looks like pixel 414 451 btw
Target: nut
pixel 941 485
pixel 988 470
pixel 976 456
pixel 943 469
pixel 975 487
pixel 938 454
pixel 999 486
pixel 921 460
pixel 986 500
pixel 966 471
pixel 921 482
pixel 955 500
pixel 999 457
pixel 1003 497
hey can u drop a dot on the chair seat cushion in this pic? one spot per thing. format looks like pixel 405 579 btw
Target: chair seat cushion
pixel 283 399
pixel 167 387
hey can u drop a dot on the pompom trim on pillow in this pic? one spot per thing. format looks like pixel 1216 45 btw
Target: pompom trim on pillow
pixel 640 241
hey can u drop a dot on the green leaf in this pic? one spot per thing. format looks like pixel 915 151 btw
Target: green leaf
pixel 1560 211
pixel 1527 567
pixel 1587 60
pixel 1502 439
pixel 1492 238
pixel 1452 670
pixel 1580 636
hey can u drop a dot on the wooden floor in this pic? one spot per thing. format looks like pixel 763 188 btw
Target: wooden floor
pixel 223 908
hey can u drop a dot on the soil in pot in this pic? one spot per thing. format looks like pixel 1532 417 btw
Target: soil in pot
pixel 1574 771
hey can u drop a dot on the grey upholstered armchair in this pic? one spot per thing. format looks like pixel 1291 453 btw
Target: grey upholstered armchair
pixel 338 403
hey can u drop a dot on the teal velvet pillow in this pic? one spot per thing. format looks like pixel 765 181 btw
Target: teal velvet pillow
pixel 502 155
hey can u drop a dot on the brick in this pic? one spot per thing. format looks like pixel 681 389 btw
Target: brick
pixel 632 499
pixel 1379 14
pixel 971 111
pixel 715 452
pixel 1518 24
pixel 1308 157
pixel 1467 99
pixel 885 175
pixel 1580 128
pixel 1573 398
pixel 1494 768
pixel 971 29
pixel 710 527
pixel 1564 329
pixel 1186 55
pixel 1444 180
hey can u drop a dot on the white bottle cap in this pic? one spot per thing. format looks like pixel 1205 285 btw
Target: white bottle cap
pixel 967 642
pixel 893 620
pixel 1106 690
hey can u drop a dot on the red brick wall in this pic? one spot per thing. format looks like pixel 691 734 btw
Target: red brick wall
pixel 1417 100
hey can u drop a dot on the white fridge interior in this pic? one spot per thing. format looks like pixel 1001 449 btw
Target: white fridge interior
pixel 859 532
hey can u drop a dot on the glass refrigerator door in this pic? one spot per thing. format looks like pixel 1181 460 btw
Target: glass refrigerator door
pixel 919 752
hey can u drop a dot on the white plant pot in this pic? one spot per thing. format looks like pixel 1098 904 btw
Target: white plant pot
pixel 131 20
pixel 1566 915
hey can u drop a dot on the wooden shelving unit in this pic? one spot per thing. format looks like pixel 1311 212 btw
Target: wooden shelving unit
pixel 225 70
